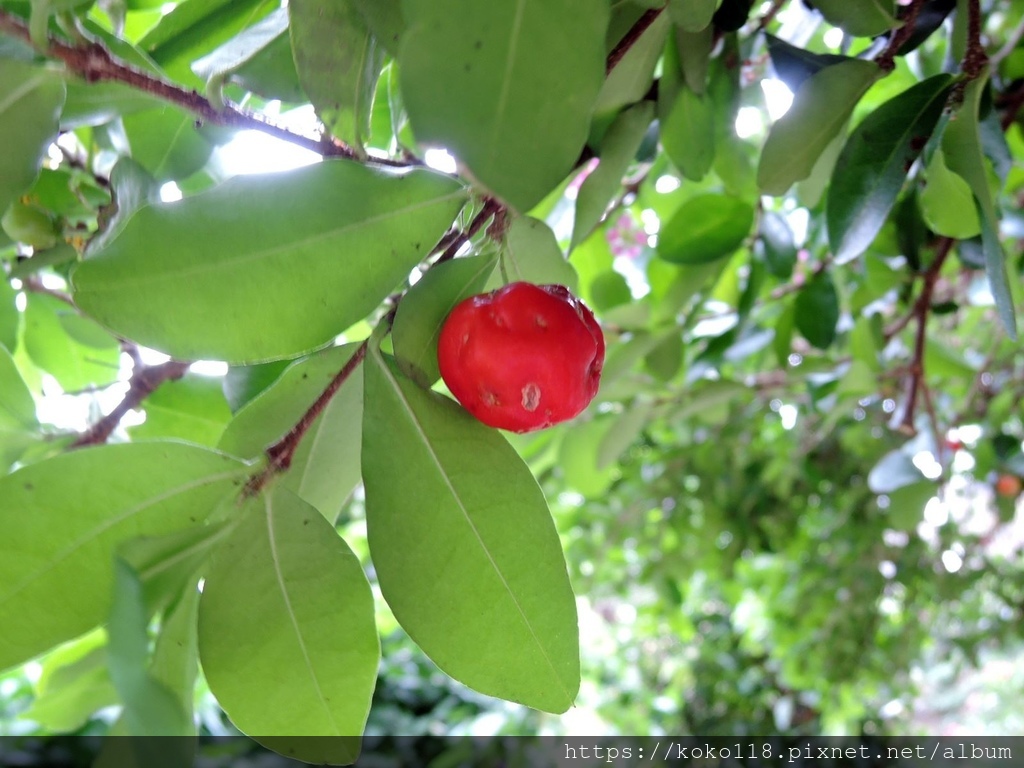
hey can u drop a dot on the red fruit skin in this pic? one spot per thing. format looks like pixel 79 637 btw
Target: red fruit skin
pixel 522 358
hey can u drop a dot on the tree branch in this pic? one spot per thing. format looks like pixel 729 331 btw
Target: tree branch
pixel 94 63
pixel 629 39
pixel 144 381
pixel 491 209
pixel 886 59
pixel 920 311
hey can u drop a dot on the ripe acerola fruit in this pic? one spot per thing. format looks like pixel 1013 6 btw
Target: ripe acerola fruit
pixel 1009 486
pixel 522 358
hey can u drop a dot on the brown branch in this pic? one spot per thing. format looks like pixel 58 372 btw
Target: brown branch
pixel 94 63
pixel 1011 105
pixel 33 284
pixel 491 209
pixel 629 39
pixel 921 309
pixel 143 383
pixel 282 452
pixel 770 14
pixel 886 59
pixel 975 57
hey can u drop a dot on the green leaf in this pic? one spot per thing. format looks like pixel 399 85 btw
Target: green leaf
pixel 132 188
pixel 704 229
pixel 325 468
pixel 243 382
pixel 895 470
pixel 477 78
pixel 194 28
pixel 56 556
pixel 531 253
pixel 338 62
pixel 30 101
pixel 820 109
pixel 626 429
pixel 817 311
pixel 467 528
pixel 18 425
pixel 631 79
pixel 74 684
pixel 284 261
pixel 10 317
pixel 947 202
pixel 688 134
pixel 794 65
pixel 618 148
pixel 425 308
pixel 150 708
pixel 259 59
pixel 384 17
pixel 962 145
pixel 779 245
pixel 286 628
pixel 192 408
pixel 166 142
pixel 860 18
pixel 692 15
pixel 873 165
pixel 73 365
pixel 175 661
pixel 579 458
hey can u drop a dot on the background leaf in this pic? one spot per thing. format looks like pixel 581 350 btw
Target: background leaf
pixel 704 229
pixel 817 311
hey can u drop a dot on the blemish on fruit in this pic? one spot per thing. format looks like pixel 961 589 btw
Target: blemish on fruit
pixel 531 396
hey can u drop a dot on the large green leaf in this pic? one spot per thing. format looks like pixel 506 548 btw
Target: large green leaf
pixel 425 308
pixel 10 317
pixel 384 17
pixel 821 107
pixel 507 86
pixel 63 518
pixel 873 165
pixel 338 62
pixel 618 148
pixel 325 468
pixel 464 546
pixel 862 18
pixel 265 267
pixel 30 101
pixel 286 628
pixel 962 145
pixel 704 229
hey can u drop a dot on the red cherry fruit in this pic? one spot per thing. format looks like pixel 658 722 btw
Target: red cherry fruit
pixel 523 357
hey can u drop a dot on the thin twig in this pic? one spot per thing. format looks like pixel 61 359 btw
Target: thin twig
pixel 921 309
pixel 33 284
pixel 143 383
pixel 490 209
pixel 629 39
pixel 886 59
pixel 770 14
